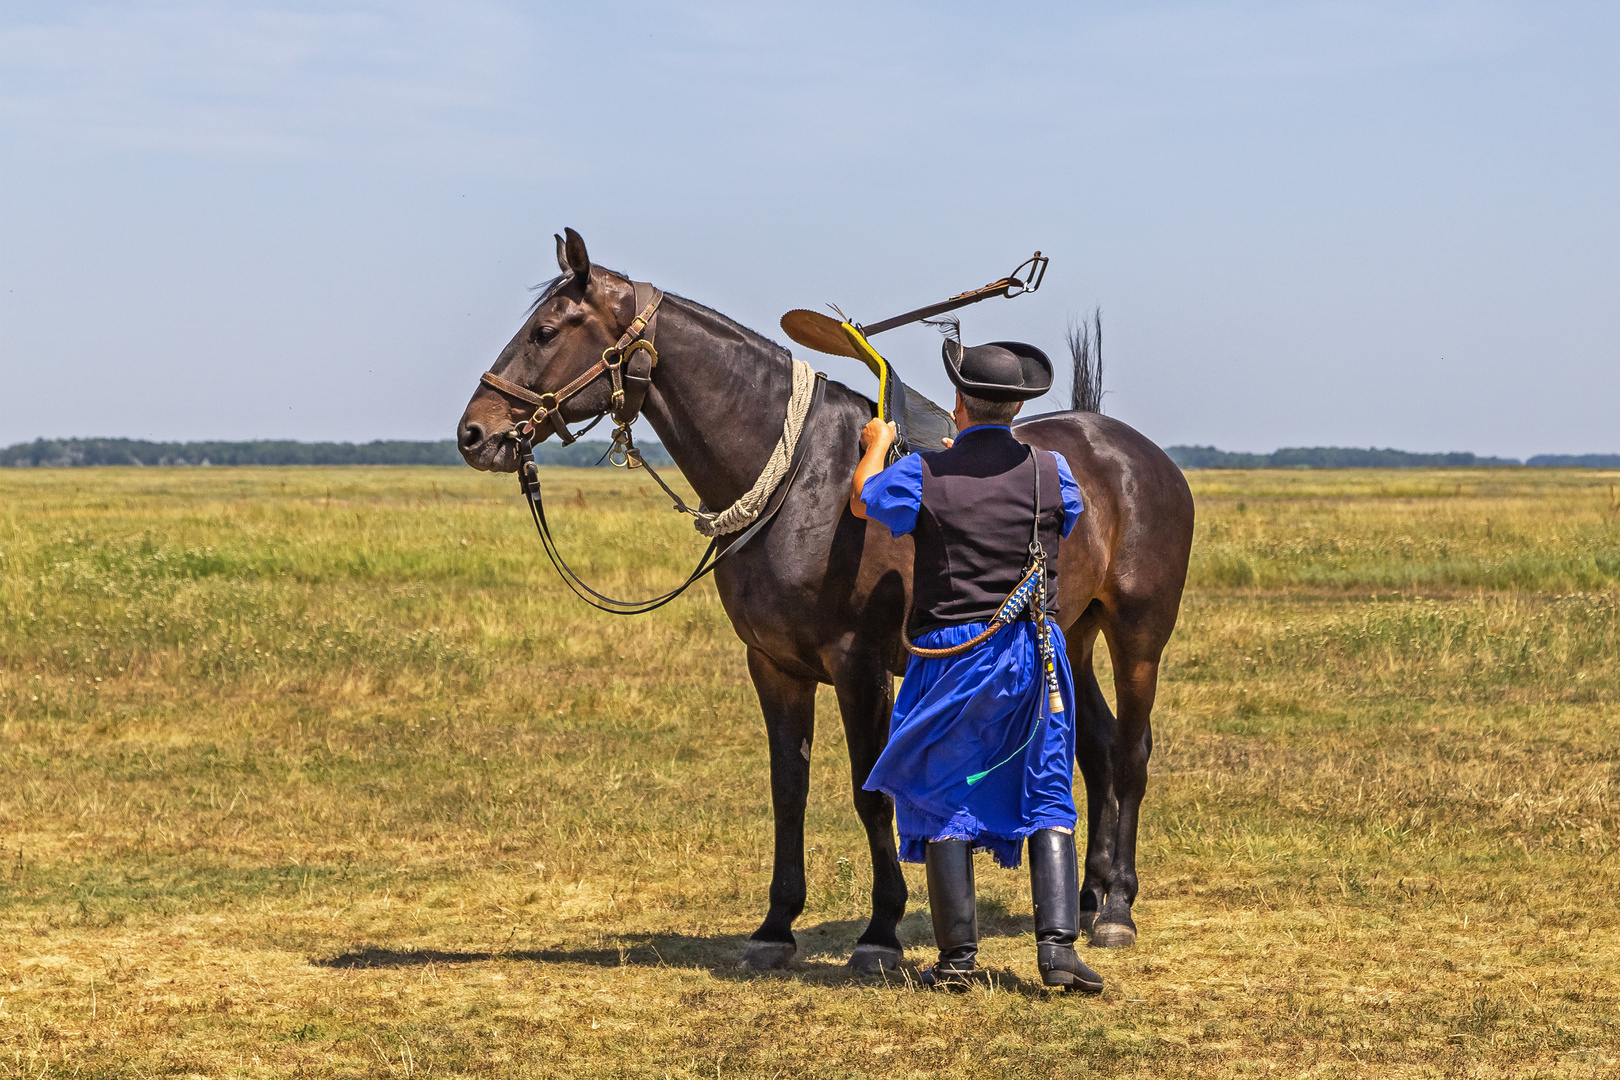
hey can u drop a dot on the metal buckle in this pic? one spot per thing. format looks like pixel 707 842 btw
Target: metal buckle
pixel 641 343
pixel 547 406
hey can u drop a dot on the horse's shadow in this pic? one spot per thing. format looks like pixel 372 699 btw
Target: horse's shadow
pixel 823 954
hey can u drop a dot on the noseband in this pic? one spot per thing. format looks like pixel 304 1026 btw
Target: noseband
pixel 629 362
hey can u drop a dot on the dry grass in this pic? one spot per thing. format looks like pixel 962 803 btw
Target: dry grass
pixel 319 771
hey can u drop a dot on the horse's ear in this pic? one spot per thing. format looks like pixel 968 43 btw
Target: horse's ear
pixel 574 258
pixel 562 253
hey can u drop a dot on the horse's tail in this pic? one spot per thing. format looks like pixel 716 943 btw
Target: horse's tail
pixel 1085 349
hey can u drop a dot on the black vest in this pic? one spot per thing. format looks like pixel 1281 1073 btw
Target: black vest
pixel 972 535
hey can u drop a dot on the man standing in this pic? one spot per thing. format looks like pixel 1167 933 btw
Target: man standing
pixel 978 754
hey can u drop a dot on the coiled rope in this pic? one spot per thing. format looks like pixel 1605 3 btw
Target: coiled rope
pixel 742 513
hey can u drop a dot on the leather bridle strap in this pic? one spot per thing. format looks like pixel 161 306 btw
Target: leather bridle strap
pixel 634 347
pixel 511 389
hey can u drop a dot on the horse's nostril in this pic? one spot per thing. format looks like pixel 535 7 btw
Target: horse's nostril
pixel 472 435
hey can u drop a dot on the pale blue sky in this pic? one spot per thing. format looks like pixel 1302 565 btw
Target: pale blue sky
pixel 1306 223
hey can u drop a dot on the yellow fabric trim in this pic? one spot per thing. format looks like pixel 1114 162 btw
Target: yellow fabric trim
pixel 879 366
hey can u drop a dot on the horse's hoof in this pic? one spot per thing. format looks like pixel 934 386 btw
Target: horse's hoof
pixel 1088 919
pixel 766 955
pixel 1112 936
pixel 875 959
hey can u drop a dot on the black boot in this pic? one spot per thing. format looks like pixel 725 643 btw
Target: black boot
pixel 956 916
pixel 1054 878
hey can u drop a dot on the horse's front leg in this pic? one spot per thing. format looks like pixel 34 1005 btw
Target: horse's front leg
pixel 789 704
pixel 866 700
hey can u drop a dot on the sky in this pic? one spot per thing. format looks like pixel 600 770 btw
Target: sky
pixel 1305 223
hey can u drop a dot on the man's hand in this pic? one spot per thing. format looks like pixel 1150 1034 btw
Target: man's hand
pixel 876 438
pixel 882 432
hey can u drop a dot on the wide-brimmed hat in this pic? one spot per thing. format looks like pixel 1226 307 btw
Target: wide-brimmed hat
pixel 999 371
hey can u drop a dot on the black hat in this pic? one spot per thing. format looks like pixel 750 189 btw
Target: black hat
pixel 999 371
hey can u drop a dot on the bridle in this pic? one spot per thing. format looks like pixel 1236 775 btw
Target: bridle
pixel 634 350
pixel 629 363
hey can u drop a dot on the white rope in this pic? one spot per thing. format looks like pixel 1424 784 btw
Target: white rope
pixel 741 514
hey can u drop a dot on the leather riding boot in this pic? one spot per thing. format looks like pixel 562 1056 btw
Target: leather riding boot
pixel 953 905
pixel 1054 878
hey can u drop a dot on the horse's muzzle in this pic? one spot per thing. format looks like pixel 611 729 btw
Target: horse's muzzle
pixel 486 450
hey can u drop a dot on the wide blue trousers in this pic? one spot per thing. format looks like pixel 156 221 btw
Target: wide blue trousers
pixel 957 717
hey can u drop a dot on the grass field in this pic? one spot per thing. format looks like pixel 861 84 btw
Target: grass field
pixel 321 772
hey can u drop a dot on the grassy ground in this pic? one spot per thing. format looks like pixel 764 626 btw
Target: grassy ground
pixel 320 771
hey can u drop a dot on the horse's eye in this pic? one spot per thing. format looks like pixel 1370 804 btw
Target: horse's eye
pixel 542 334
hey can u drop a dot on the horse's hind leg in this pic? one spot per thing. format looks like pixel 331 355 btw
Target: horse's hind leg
pixel 1135 650
pixel 1094 750
pixel 866 699
pixel 789 704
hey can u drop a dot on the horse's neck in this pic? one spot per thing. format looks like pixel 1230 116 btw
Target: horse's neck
pixel 718 399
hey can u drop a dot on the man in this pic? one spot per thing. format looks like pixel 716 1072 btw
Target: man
pixel 977 755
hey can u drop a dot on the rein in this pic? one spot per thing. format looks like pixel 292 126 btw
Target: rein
pixel 630 363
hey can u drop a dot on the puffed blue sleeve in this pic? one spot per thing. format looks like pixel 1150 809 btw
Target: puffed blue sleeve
pixel 894 495
pixel 1072 506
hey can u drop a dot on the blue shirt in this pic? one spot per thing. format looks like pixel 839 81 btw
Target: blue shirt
pixel 894 495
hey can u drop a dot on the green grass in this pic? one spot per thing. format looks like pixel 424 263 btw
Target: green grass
pixel 322 772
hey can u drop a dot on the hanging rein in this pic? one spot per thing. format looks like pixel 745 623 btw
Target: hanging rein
pixel 629 363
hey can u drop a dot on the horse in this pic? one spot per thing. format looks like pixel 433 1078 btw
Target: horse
pixel 819 595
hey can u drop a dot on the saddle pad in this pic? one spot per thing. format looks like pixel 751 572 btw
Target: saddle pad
pixel 923 425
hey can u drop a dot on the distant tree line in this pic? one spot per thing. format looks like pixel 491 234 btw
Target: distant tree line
pixel 79 452
pixel 1343 457
pixel 1579 461
pixel 83 452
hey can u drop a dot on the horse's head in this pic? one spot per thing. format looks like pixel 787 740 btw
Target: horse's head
pixel 577 318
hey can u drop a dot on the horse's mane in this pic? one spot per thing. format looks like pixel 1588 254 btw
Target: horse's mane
pixel 754 337
pixel 548 289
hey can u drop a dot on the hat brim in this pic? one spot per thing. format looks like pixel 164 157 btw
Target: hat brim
pixel 1035 367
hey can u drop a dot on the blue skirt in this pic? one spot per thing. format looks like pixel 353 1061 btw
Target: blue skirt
pixel 958 716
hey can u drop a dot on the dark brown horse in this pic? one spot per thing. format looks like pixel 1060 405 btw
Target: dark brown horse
pixel 818 596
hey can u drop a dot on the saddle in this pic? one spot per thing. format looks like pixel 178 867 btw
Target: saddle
pixel 921 424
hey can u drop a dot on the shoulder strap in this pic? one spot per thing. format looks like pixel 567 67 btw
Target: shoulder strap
pixel 1035 527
